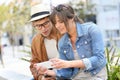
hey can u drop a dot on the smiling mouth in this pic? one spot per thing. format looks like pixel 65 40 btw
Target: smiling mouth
pixel 61 29
pixel 45 32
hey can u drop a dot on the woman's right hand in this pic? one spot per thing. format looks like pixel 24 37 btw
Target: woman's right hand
pixel 59 63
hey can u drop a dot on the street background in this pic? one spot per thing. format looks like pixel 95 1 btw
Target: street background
pixel 13 68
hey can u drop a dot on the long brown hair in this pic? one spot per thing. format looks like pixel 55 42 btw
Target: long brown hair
pixel 64 12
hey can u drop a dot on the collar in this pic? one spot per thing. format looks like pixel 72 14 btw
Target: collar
pixel 79 29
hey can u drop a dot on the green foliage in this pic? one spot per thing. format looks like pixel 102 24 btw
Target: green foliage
pixel 3 14
pixel 113 65
pixel 19 16
pixel 14 17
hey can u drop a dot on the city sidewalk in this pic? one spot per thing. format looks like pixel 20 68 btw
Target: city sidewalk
pixel 14 68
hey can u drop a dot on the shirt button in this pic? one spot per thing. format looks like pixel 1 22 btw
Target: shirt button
pixel 94 72
pixel 85 42
pixel 65 52
pixel 83 56
pixel 78 46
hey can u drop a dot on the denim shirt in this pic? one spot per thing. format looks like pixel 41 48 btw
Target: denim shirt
pixel 89 46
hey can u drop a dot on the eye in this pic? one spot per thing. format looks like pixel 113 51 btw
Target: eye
pixel 45 23
pixel 60 21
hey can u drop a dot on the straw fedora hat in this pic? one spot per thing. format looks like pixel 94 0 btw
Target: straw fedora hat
pixel 39 11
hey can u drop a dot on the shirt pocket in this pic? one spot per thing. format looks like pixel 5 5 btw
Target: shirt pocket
pixel 86 43
pixel 67 52
pixel 86 46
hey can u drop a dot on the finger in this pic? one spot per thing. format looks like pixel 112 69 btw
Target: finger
pixel 42 69
pixel 54 60
pixel 34 65
pixel 56 66
pixel 47 78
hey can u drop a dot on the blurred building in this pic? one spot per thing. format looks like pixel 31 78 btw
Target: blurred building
pixel 108 19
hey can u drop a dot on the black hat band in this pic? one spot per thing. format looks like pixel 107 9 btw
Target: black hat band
pixel 39 13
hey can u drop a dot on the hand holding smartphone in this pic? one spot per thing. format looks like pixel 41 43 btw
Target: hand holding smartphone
pixel 46 64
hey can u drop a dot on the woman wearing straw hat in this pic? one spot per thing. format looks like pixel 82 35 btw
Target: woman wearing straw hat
pixel 44 43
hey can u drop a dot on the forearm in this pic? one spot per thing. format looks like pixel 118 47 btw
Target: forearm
pixel 76 64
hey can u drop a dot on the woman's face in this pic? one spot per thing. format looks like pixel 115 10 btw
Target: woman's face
pixel 60 25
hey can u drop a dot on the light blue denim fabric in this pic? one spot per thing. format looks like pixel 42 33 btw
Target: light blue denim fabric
pixel 90 48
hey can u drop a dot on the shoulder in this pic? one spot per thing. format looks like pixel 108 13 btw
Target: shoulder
pixel 90 27
pixel 36 38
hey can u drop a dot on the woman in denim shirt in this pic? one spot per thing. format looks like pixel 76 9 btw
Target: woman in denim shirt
pixel 81 47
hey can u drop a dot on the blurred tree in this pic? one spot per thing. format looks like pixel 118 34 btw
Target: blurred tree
pixel 14 17
pixel 3 15
pixel 19 17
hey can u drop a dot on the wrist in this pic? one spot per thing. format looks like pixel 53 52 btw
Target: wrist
pixel 70 64
pixel 75 63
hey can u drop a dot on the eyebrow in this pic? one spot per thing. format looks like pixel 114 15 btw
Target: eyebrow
pixel 43 23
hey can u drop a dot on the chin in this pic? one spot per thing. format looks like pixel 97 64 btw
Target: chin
pixel 62 33
pixel 45 35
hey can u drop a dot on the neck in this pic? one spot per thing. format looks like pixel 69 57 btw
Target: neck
pixel 73 32
pixel 73 39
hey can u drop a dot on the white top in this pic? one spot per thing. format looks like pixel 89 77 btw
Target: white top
pixel 102 75
pixel 51 48
pixel 76 56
